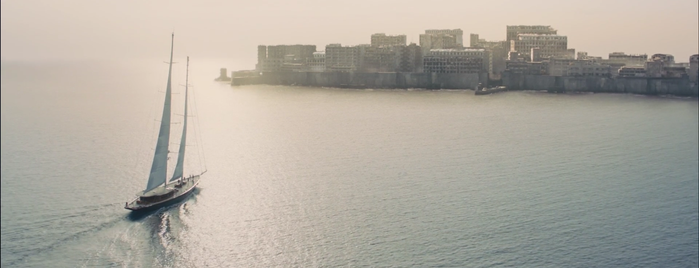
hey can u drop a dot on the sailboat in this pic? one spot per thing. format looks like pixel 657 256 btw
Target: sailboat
pixel 160 191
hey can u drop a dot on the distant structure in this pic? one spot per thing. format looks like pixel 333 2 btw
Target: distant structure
pixel 632 71
pixel 513 56
pixel 317 63
pixel 441 39
pixel 378 59
pixel 410 58
pixel 667 58
pixel 454 61
pixel 261 57
pixel 528 58
pixel 694 68
pixel 382 40
pixel 589 67
pixel 583 56
pixel 497 54
pixel 284 57
pixel 548 45
pixel 514 30
pixel 535 54
pixel 457 33
pixel 663 65
pixel 559 66
pixel 628 59
pixel 341 59
pixel 223 76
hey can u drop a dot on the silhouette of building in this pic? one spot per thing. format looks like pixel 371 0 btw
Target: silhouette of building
pixel 381 40
pixel 454 61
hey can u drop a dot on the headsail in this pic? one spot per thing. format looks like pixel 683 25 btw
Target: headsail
pixel 179 169
pixel 158 171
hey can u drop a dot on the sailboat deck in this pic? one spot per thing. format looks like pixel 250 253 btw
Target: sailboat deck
pixel 178 188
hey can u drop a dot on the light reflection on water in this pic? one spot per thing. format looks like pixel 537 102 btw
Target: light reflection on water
pixel 310 177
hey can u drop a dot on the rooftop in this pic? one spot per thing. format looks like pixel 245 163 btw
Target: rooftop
pixel 457 30
pixel 457 50
pixel 541 35
pixel 530 27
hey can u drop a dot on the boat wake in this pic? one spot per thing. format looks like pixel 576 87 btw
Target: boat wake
pixel 151 240
pixel 51 223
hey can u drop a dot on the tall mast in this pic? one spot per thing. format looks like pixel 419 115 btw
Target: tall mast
pixel 158 171
pixel 179 168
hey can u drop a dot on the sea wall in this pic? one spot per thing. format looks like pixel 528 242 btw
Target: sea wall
pixel 635 85
pixel 367 80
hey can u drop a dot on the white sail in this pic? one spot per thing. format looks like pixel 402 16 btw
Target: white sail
pixel 179 168
pixel 158 171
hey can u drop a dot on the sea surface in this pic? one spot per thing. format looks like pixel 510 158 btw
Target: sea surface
pixel 325 177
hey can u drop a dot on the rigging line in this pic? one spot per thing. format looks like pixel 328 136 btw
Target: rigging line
pixel 201 138
pixel 195 124
pixel 197 131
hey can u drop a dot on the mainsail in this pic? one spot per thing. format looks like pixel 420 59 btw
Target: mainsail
pixel 158 171
pixel 179 169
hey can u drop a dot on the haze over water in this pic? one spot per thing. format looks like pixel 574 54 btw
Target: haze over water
pixel 322 177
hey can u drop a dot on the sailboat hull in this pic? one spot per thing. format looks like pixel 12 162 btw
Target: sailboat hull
pixel 182 190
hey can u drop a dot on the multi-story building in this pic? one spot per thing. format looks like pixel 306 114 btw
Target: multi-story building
pixel 497 53
pixel 535 54
pixel 549 45
pixel 632 71
pixel 526 67
pixel 454 61
pixel 514 30
pixel 668 59
pixel 654 68
pixel 628 59
pixel 513 56
pixel 409 58
pixel 283 57
pixel 437 41
pixel 694 68
pixel 261 57
pixel 299 51
pixel 517 66
pixel 378 59
pixel 458 34
pixel 381 39
pixel 475 41
pixel 317 63
pixel 342 59
pixel 583 56
pixel 559 66
pixel 613 68
pixel 663 65
pixel 588 68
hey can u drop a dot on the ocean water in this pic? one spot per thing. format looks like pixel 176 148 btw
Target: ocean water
pixel 323 177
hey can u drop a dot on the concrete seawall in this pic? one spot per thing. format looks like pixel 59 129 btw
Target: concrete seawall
pixel 634 85
pixel 367 80
pixel 563 84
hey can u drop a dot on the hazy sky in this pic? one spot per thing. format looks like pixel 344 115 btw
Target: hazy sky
pixel 89 29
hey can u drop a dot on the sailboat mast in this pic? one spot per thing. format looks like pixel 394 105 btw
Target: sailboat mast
pixel 179 167
pixel 158 171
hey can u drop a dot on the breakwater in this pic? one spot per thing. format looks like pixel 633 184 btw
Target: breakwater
pixel 367 80
pixel 634 85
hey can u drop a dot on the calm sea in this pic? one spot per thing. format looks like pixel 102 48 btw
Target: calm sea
pixel 323 177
